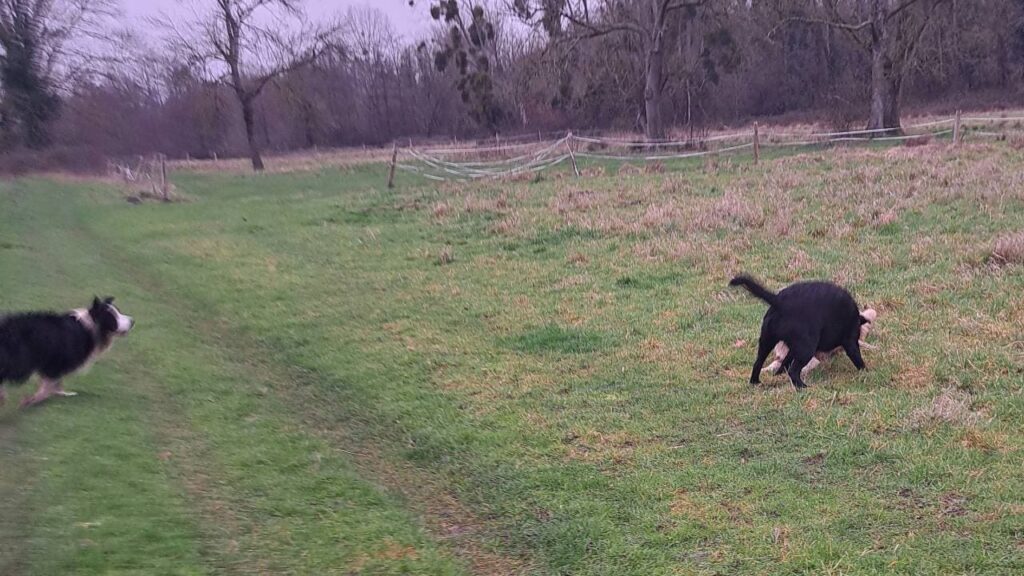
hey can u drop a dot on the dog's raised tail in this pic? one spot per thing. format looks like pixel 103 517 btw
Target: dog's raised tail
pixel 754 288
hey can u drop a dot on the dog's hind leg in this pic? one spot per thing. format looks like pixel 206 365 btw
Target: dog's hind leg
pixel 801 355
pixel 764 348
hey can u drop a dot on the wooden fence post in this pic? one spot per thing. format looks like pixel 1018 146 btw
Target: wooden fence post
pixel 757 144
pixel 572 154
pixel 956 130
pixel 163 177
pixel 394 163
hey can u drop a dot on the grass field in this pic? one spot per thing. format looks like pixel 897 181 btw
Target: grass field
pixel 535 377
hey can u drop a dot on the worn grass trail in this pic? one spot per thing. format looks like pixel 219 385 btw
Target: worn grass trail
pixel 175 459
pixel 321 393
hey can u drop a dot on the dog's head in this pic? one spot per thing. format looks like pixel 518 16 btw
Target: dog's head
pixel 109 321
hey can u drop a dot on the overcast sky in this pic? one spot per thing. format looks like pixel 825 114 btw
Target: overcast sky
pixel 409 22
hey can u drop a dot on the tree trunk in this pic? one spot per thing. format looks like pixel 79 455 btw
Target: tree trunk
pixel 249 117
pixel 886 86
pixel 886 80
pixel 655 129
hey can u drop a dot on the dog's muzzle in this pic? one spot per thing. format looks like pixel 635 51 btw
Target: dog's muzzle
pixel 124 324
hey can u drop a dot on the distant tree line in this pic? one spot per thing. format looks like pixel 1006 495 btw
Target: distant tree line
pixel 253 75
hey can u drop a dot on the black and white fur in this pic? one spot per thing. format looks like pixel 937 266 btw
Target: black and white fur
pixel 55 346
pixel 810 317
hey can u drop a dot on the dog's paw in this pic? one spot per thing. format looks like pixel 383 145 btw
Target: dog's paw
pixel 66 394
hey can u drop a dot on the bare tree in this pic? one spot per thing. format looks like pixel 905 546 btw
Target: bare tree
pixel 36 38
pixel 573 21
pixel 890 31
pixel 249 43
pixel 466 41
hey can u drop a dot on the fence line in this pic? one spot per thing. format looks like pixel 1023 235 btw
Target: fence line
pixel 437 163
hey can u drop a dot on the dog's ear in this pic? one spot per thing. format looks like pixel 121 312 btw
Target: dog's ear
pixel 96 302
pixel 108 300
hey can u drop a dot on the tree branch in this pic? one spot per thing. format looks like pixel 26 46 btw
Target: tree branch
pixel 896 11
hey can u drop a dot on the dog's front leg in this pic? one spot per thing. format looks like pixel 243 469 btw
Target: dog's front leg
pixel 852 349
pixel 58 390
pixel 46 389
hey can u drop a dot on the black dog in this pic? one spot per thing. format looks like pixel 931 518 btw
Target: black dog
pixel 809 317
pixel 56 345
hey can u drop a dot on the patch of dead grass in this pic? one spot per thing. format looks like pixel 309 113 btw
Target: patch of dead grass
pixel 951 407
pixel 984 441
pixel 630 170
pixel 441 210
pixel 507 226
pixel 915 376
pixel 571 201
pixel 1008 249
pixel 682 505
pixel 731 210
pixel 660 216
pixel 473 204
pixel 597 447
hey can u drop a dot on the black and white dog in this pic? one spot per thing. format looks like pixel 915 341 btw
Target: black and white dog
pixel 810 317
pixel 56 345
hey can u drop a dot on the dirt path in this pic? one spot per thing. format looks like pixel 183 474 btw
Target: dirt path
pixel 451 523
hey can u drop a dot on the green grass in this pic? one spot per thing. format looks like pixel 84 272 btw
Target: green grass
pixel 308 391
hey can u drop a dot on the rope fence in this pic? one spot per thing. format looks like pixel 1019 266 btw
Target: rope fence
pixel 514 157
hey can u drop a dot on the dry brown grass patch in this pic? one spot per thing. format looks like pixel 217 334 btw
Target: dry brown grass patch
pixel 660 216
pixel 731 210
pixel 630 170
pixel 574 201
pixel 446 255
pixel 578 258
pixel 798 264
pixel 1009 249
pixel 952 407
pixel 474 204
pixel 303 161
pixel 915 376
pixel 507 226
pixel 441 210
pixel 667 248
pixel 596 447
pixel 780 539
pixel 392 551
pixel 684 506
pixel 655 167
pixel 922 140
pixel 571 282
pixel 974 439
